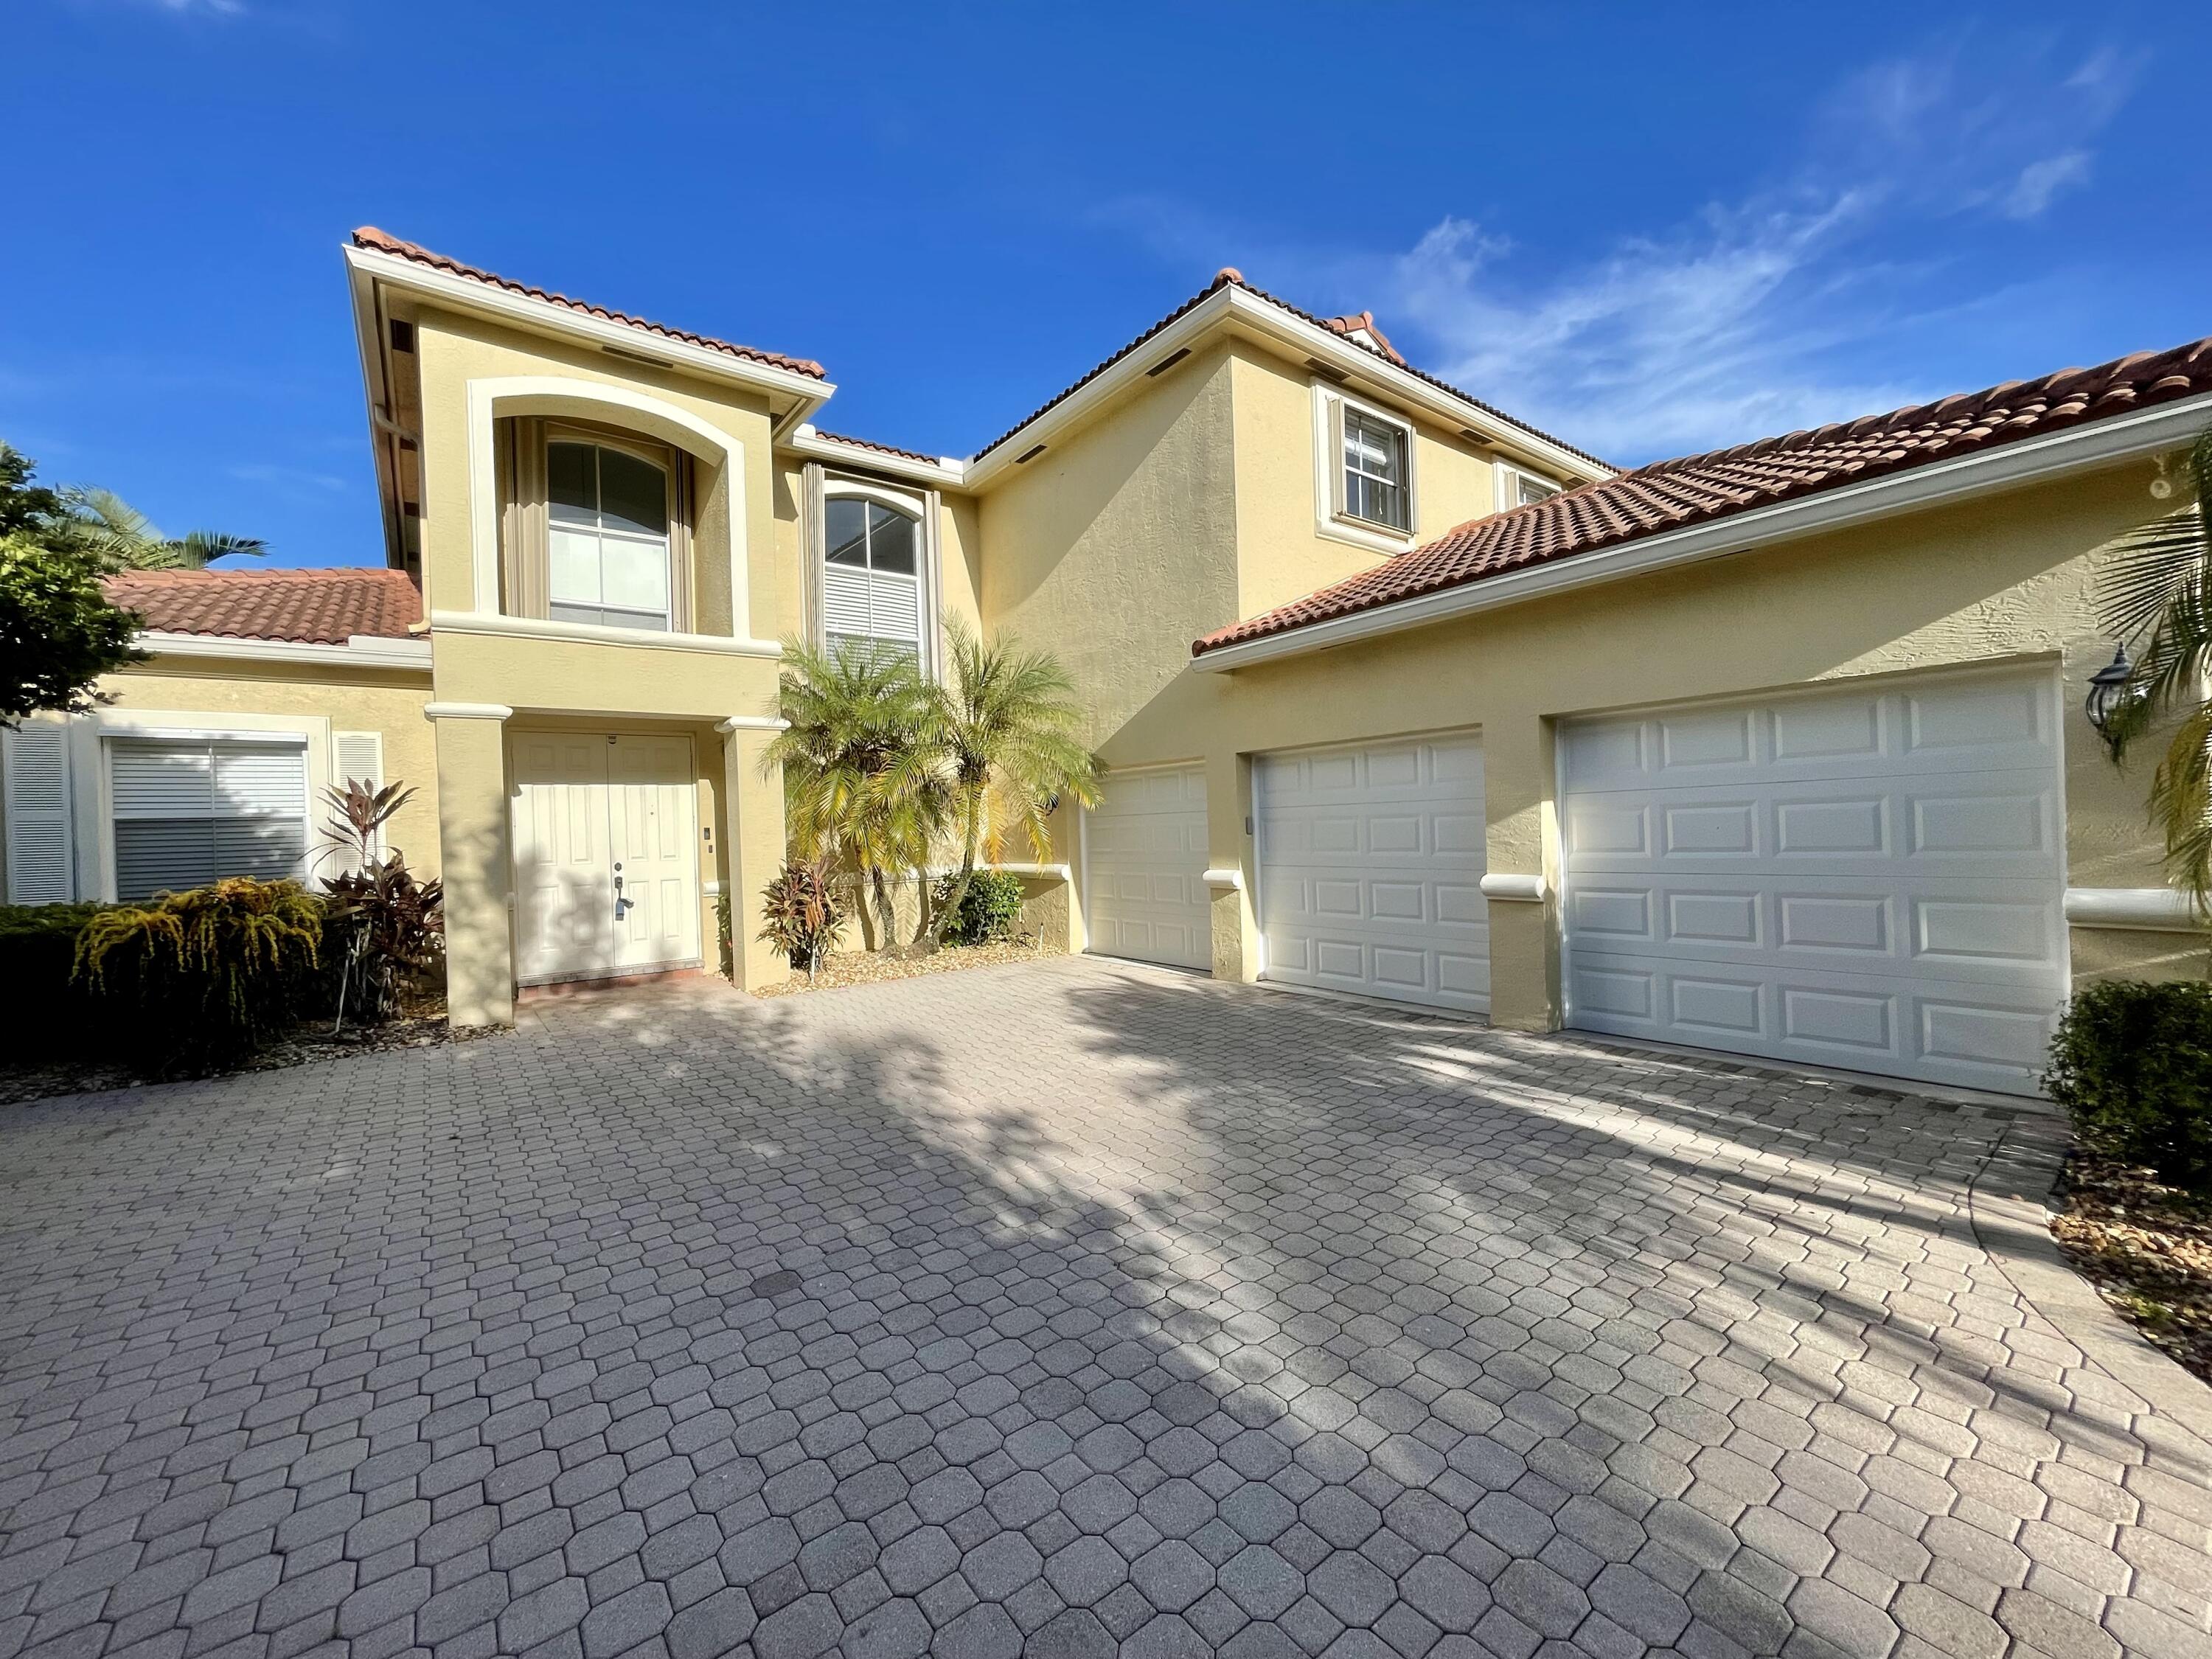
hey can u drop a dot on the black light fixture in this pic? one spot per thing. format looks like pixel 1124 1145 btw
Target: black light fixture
pixel 2108 689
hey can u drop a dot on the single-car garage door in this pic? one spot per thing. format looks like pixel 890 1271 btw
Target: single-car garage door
pixel 1870 878
pixel 1370 862
pixel 1143 855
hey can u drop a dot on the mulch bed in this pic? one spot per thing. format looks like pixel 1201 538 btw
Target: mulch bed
pixel 420 1027
pixel 2146 1247
pixel 846 968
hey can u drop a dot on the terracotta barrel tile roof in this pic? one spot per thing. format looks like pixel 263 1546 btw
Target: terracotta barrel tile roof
pixel 1698 488
pixel 881 449
pixel 378 241
pixel 319 607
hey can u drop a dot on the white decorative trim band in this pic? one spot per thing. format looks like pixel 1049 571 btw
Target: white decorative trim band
pixel 1517 889
pixel 359 650
pixel 711 889
pixel 1049 871
pixel 467 711
pixel 2157 909
pixel 752 723
pixel 535 627
pixel 1224 879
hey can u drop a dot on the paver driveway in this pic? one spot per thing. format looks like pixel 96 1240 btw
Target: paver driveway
pixel 1067 1306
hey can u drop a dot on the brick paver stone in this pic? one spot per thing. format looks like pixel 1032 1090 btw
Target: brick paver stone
pixel 1065 1308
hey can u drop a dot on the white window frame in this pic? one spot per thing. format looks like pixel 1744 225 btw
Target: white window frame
pixel 1331 518
pixel 93 804
pixel 652 455
pixel 1508 477
pixel 917 507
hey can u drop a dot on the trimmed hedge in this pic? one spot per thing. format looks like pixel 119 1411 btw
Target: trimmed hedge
pixel 991 909
pixel 2132 1064
pixel 48 1015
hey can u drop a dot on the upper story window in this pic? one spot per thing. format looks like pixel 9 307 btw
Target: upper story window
pixel 607 537
pixel 871 573
pixel 595 528
pixel 1377 487
pixel 1519 489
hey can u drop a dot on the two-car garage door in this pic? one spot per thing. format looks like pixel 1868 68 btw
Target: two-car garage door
pixel 1870 878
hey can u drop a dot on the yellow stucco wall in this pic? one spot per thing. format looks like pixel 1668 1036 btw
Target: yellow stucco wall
pixel 1118 545
pixel 2005 579
pixel 349 700
pixel 1282 553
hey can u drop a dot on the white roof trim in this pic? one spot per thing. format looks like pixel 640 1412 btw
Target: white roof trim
pixel 359 650
pixel 2094 443
pixel 815 445
pixel 466 294
pixel 1301 337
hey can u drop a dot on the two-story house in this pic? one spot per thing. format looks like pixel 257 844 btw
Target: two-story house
pixel 1779 751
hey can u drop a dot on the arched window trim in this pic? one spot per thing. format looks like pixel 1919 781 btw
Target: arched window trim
pixel 921 505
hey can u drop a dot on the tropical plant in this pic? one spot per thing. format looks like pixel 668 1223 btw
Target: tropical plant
pixel 111 530
pixel 865 790
pixel 393 925
pixel 59 633
pixel 2157 596
pixel 26 508
pixel 1008 724
pixel 990 910
pixel 192 980
pixel 2132 1064
pixel 800 909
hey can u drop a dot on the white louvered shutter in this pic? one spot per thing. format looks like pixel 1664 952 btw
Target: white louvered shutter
pixel 360 760
pixel 34 758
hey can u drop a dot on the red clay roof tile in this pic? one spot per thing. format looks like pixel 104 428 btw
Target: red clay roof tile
pixel 1698 488
pixel 378 241
pixel 881 449
pixel 319 607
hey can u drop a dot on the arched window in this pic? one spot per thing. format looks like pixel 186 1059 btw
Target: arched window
pixel 607 521
pixel 871 574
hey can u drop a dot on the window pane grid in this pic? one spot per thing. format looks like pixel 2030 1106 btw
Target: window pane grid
pixel 872 586
pixel 1374 471
pixel 608 542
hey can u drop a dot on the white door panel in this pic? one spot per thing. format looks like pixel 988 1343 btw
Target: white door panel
pixel 1867 878
pixel 1144 858
pixel 583 804
pixel 1371 868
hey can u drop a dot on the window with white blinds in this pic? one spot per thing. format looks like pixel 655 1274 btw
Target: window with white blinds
pixel 190 811
pixel 871 574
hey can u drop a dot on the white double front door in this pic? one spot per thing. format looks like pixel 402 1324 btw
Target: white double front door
pixel 607 862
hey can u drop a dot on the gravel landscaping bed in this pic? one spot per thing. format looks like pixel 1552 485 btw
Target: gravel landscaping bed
pixel 861 968
pixel 2147 1248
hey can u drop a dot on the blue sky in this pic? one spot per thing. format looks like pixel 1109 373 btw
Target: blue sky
pixel 1651 229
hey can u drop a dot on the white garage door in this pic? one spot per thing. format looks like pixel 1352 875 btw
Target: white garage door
pixel 1371 871
pixel 1868 878
pixel 1144 853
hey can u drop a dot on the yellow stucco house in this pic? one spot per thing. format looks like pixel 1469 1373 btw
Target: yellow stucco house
pixel 1778 750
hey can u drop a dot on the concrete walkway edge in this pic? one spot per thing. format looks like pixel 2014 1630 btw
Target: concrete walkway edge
pixel 2009 1201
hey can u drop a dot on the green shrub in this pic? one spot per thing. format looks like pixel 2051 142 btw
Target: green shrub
pixel 196 981
pixel 49 1015
pixel 991 909
pixel 2132 1064
pixel 801 917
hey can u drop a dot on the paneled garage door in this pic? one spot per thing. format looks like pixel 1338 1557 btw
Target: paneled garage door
pixel 1371 871
pixel 1868 878
pixel 1144 855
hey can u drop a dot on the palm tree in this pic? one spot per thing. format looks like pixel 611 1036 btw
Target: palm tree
pixel 1007 725
pixel 118 534
pixel 866 790
pixel 2157 594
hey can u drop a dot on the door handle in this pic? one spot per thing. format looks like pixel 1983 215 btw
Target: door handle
pixel 622 905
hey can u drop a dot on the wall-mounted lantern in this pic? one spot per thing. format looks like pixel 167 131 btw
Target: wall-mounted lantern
pixel 2108 690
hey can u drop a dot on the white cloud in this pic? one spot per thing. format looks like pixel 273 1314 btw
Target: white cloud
pixel 2041 183
pixel 1778 312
